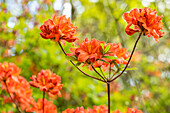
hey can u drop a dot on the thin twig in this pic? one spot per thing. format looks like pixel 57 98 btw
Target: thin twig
pixel 129 58
pixel 109 70
pixel 103 73
pixel 12 98
pixel 43 101
pixel 98 73
pixel 78 67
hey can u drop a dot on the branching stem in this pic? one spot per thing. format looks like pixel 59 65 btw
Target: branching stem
pixel 78 67
pixel 129 58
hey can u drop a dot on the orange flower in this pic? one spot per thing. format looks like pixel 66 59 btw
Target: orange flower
pixel 100 109
pixel 116 50
pixel 7 70
pixel 117 111
pixel 92 52
pixel 7 112
pixel 59 28
pixel 20 91
pixel 144 20
pixel 48 31
pixel 77 110
pixel 133 110
pixel 49 107
pixel 96 109
pixel 47 82
pixel 129 110
pixel 88 52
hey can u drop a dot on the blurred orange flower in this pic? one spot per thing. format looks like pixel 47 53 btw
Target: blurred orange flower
pixel 47 81
pixel 117 111
pixel 133 110
pixel 96 109
pixel 59 28
pixel 20 91
pixel 7 112
pixel 49 107
pixel 129 110
pixel 145 21
pixel 7 70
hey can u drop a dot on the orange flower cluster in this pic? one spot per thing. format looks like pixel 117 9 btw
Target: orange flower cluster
pixel 7 112
pixel 96 109
pixel 47 81
pixel 58 28
pixel 99 109
pixel 88 52
pixel 129 110
pixel 20 91
pixel 7 70
pixel 49 107
pixel 145 21
pixel 91 52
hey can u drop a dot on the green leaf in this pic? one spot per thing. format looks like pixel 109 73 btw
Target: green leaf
pixel 78 63
pixel 70 58
pixel 132 68
pixel 103 61
pixel 106 49
pixel 102 48
pixel 110 57
pixel 116 64
pixel 121 66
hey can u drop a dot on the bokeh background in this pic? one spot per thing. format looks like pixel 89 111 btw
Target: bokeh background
pixel 147 88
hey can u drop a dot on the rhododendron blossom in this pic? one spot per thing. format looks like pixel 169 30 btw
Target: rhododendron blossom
pixel 59 28
pixel 8 70
pixel 96 109
pixel 99 109
pixel 133 110
pixel 116 50
pixel 145 21
pixel 49 107
pixel 7 112
pixel 129 110
pixel 20 91
pixel 47 81
pixel 90 52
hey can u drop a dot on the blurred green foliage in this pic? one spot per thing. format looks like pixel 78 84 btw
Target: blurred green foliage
pixel 146 88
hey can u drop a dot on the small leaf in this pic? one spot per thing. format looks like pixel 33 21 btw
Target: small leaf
pixel 121 66
pixel 102 48
pixel 131 68
pixel 103 61
pixel 70 58
pixel 106 49
pixel 78 63
pixel 116 64
pixel 110 57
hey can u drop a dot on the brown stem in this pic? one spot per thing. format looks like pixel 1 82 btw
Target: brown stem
pixel 129 58
pixel 103 73
pixel 43 101
pixel 12 98
pixel 78 67
pixel 108 92
pixel 109 70
pixel 98 73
